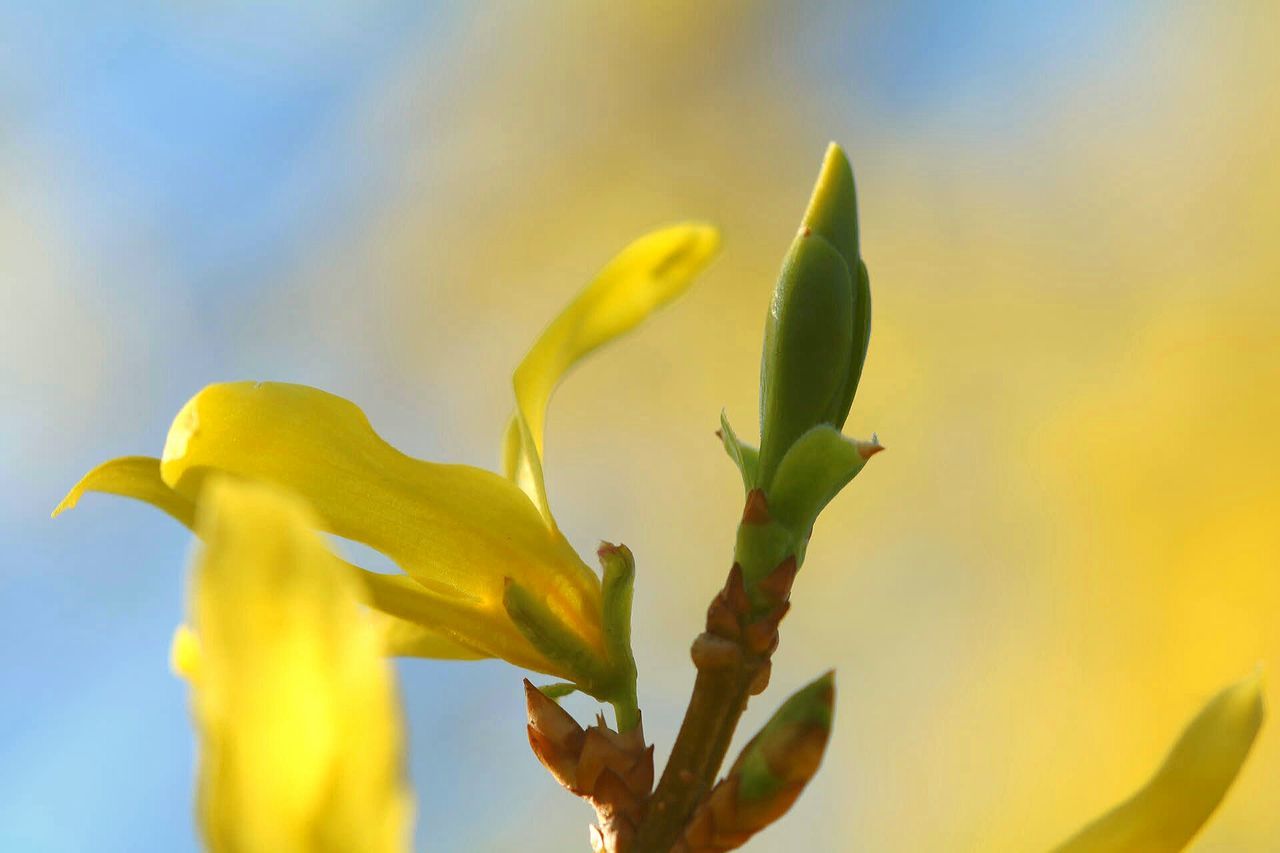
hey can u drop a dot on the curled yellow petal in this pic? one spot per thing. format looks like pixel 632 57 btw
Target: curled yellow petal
pixel 136 477
pixel 296 709
pixel 458 531
pixel 1167 812
pixel 427 635
pixel 646 275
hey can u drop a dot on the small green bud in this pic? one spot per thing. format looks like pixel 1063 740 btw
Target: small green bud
pixel 819 321
pixel 769 775
pixel 787 751
pixel 618 586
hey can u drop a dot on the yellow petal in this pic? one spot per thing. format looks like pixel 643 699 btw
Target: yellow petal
pixel 299 725
pixel 138 477
pixel 458 531
pixel 1169 810
pixel 422 623
pixel 402 638
pixel 135 477
pixel 646 275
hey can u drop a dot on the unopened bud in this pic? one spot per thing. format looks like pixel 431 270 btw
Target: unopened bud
pixel 819 320
pixel 787 751
pixel 768 776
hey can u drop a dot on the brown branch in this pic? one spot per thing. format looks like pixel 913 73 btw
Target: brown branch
pixel 733 661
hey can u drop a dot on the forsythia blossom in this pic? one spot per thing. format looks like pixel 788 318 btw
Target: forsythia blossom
pixel 473 544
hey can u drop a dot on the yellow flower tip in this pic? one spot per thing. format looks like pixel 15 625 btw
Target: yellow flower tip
pixel 1245 700
pixel 184 653
pixel 1169 811
pixel 646 275
pixel 88 483
pixel 136 477
pixel 701 244
pixel 68 502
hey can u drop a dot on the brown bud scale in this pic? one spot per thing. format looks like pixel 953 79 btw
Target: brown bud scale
pixel 756 510
pixel 776 586
pixel 611 770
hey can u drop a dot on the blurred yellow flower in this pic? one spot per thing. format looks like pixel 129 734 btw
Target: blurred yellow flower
pixel 470 541
pixel 295 706
pixel 1166 813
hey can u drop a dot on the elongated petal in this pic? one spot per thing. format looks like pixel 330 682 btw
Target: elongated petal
pixel 457 530
pixel 646 275
pixel 1171 808
pixel 138 477
pixel 402 638
pixel 300 730
pixel 423 623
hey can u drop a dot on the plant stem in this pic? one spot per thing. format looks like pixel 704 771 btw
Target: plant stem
pixel 733 661
pixel 626 709
pixel 719 697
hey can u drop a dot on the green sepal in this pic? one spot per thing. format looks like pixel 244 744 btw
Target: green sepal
pixel 815 469
pixel 618 587
pixel 548 635
pixel 788 749
pixel 746 457
pixel 558 690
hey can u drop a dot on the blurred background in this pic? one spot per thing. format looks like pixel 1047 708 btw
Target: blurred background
pixel 1070 212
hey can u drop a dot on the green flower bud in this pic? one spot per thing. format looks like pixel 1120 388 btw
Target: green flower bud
pixel 819 321
pixel 784 756
pixel 770 773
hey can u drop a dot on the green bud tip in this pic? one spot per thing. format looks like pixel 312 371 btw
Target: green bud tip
pixel 811 705
pixel 833 207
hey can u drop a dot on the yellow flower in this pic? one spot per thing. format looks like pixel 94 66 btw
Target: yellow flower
pixel 488 573
pixel 1167 812
pixel 294 704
